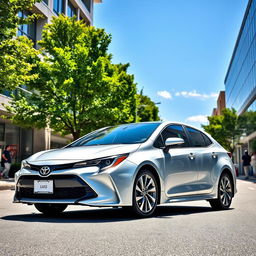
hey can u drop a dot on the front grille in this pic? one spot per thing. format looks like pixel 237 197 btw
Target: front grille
pixel 52 167
pixel 64 187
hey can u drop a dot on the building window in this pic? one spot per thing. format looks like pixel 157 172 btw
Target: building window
pixel 58 6
pixel 71 10
pixel 26 143
pixel 87 4
pixel 45 1
pixel 28 30
pixel 7 93
pixel 12 138
pixel 2 132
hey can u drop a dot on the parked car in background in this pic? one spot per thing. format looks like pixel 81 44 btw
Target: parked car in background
pixel 139 166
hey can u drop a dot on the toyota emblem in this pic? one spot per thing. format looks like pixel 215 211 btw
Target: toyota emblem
pixel 45 170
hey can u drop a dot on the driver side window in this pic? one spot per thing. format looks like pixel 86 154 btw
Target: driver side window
pixel 172 131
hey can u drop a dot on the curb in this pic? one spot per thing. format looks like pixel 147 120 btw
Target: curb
pixel 7 185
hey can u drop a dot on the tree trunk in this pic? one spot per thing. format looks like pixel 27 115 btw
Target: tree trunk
pixel 76 135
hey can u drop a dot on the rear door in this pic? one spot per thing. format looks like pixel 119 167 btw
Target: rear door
pixel 205 159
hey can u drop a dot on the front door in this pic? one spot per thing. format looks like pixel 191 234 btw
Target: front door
pixel 180 172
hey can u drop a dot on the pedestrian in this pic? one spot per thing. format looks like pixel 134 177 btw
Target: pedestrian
pixel 253 163
pixel 246 163
pixel 6 159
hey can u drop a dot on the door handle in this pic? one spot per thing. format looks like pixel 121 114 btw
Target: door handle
pixel 214 155
pixel 192 156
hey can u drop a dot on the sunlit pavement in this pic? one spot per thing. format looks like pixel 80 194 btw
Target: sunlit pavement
pixel 178 229
pixel 6 184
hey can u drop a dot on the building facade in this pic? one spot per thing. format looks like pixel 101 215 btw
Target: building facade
pixel 221 104
pixel 25 142
pixel 240 81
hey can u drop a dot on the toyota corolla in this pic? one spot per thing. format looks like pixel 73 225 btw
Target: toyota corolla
pixel 138 166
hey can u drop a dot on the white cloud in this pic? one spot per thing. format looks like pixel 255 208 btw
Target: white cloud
pixel 198 119
pixel 195 94
pixel 164 94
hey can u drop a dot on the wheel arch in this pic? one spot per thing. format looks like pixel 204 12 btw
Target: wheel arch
pixel 151 168
pixel 229 173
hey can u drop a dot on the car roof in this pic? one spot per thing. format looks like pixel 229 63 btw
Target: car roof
pixel 164 123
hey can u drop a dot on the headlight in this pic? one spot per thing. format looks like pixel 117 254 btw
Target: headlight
pixel 25 164
pixel 102 163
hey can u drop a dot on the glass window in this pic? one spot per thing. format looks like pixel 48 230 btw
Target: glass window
pixel 28 30
pixel 1 132
pixel 196 137
pixel 174 131
pixel 58 6
pixel 206 140
pixel 239 81
pixel 45 1
pixel 159 143
pixel 123 134
pixel 12 138
pixel 71 10
pixel 26 143
pixel 87 4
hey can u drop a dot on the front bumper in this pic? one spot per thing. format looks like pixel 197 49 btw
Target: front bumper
pixel 86 186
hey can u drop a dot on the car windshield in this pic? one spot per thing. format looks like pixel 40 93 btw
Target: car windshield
pixel 123 134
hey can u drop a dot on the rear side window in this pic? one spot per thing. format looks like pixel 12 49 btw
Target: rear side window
pixel 207 140
pixel 174 131
pixel 197 139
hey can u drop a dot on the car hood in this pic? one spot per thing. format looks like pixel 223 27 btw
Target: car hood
pixel 75 154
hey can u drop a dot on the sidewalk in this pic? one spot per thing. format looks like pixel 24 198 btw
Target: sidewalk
pixel 251 178
pixel 7 184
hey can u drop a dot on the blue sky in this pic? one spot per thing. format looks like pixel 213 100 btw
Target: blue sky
pixel 178 50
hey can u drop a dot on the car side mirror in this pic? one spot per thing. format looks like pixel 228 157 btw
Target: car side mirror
pixel 172 142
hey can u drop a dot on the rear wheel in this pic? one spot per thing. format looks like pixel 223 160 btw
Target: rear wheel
pixel 225 194
pixel 145 194
pixel 51 209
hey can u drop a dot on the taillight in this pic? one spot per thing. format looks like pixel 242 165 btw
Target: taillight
pixel 230 154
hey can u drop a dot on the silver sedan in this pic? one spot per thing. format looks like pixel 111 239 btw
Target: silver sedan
pixel 137 166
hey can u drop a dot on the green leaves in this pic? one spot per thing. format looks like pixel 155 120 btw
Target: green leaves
pixel 146 109
pixel 9 19
pixel 17 55
pixel 17 60
pixel 225 128
pixel 76 87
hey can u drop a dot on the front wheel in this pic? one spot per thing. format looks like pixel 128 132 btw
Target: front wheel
pixel 51 209
pixel 145 194
pixel 225 194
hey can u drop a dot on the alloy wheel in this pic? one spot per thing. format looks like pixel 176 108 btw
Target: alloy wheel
pixel 225 191
pixel 146 193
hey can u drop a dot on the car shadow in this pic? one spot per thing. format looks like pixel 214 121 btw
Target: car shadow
pixel 106 215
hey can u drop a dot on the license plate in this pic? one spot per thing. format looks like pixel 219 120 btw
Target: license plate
pixel 43 186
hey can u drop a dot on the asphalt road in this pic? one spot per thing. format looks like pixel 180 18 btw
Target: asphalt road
pixel 177 229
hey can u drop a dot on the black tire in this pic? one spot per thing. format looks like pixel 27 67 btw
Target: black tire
pixel 225 193
pixel 147 184
pixel 51 209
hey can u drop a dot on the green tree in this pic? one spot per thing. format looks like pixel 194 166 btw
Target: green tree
pixel 77 88
pixel 225 128
pixel 16 53
pixel 253 145
pixel 247 122
pixel 146 109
